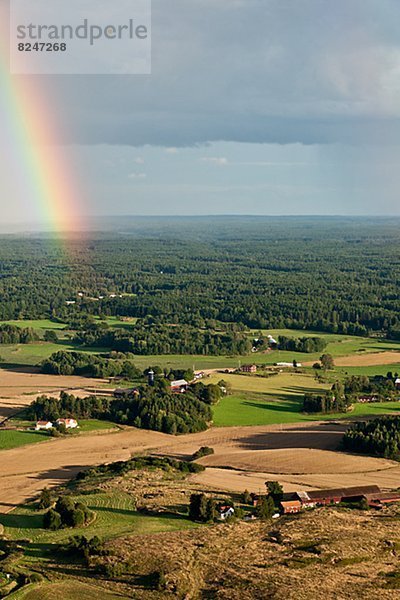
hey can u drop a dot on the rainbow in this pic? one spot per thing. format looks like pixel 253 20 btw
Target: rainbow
pixel 40 166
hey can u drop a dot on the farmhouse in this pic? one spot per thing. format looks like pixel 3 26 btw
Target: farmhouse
pixel 68 423
pixel 43 425
pixel 290 507
pixel 179 386
pixel 249 368
pixel 397 383
pixel 225 512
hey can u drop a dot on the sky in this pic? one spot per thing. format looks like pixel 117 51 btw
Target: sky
pixel 270 107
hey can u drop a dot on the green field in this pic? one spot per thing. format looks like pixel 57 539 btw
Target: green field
pixel 68 589
pixel 88 425
pixel 259 401
pixel 115 516
pixel 15 439
pixel 338 345
pixel 37 324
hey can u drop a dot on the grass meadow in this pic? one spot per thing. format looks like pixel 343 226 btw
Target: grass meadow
pixel 116 515
pixel 278 399
pixel 338 345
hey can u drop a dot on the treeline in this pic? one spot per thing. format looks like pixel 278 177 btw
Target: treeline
pixel 357 388
pixel 155 408
pixel 166 339
pixel 261 273
pixel 112 364
pixel 325 403
pixel 50 409
pixel 379 387
pixel 11 334
pixel 380 437
pixel 303 344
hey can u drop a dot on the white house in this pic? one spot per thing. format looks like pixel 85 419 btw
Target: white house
pixel 225 512
pixel 69 423
pixel 43 425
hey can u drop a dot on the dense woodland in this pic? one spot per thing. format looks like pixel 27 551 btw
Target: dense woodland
pixel 380 437
pixel 147 339
pixel 337 275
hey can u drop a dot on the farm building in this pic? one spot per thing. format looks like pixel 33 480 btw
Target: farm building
pixel 290 507
pixel 381 499
pixel 225 512
pixel 68 423
pixel 249 368
pixel 287 364
pixel 335 496
pixel 366 399
pixel 179 386
pixel 43 425
pixel 397 383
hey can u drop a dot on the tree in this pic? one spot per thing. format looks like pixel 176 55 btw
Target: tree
pixel 246 497
pixel 77 518
pixel 202 508
pixel 52 520
pixel 265 508
pixel 327 362
pixel 45 499
pixel 50 336
pixel 275 490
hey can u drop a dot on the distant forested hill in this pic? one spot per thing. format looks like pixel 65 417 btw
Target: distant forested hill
pixel 337 275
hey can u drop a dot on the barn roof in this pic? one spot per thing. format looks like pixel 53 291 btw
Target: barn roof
pixel 344 492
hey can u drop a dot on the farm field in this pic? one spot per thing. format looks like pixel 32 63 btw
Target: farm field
pixel 22 473
pixel 15 439
pixel 115 516
pixel 36 324
pixel 338 346
pixel 278 399
pixel 29 382
pixel 67 589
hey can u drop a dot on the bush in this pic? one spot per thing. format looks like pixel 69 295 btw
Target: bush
pixel 203 451
pixel 52 520
pixel 45 499
pixel 67 513
pixel 77 518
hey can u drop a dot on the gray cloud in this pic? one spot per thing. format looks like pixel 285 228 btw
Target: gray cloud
pixel 273 71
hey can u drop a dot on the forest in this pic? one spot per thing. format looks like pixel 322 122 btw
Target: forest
pixel 330 275
pixel 147 339
pixel 380 437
